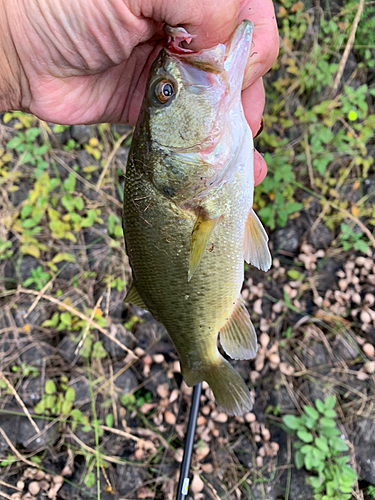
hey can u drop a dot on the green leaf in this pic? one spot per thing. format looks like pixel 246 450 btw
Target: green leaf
pixel 308 461
pixel 338 444
pixel 327 422
pixel 89 479
pixel 330 413
pixel 315 482
pixel 50 387
pixel 311 412
pixel 299 459
pixel 66 407
pixel 291 422
pixel 70 394
pixel 320 405
pixel 330 402
pixel 305 436
pixel 109 420
pixel 330 431
pixel 306 449
pixel 321 443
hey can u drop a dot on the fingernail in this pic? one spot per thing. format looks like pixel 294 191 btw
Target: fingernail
pixel 260 128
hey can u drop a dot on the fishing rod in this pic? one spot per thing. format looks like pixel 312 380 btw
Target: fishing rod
pixel 183 483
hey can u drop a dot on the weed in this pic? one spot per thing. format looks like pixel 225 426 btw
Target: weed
pixel 371 491
pixel 352 240
pixel 38 278
pixel 319 448
pixel 26 370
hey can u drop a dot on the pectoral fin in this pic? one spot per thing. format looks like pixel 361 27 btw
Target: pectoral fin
pixel 256 251
pixel 238 337
pixel 199 238
pixel 133 297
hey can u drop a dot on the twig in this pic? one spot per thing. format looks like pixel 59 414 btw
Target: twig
pixel 113 460
pixel 110 158
pixel 348 47
pixel 37 299
pixel 121 433
pixel 21 403
pixel 9 485
pixel 8 497
pixel 15 451
pixel 356 220
pixel 80 315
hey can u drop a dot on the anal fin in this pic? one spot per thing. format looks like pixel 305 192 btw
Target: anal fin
pixel 256 251
pixel 238 337
pixel 134 298
pixel 200 235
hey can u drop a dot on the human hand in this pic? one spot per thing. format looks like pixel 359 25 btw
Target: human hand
pixel 79 61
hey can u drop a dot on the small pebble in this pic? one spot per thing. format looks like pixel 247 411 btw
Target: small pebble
pixel 34 488
pixel 139 454
pixel 275 447
pixel 259 362
pixel 221 418
pixel 369 350
pixel 169 417
pixel 208 468
pixel 201 420
pixel 158 358
pixel 257 307
pixel 277 308
pixel 259 461
pixel 174 395
pixel 205 410
pixel 362 375
pixel 162 390
pixel 44 485
pixel 266 434
pixel 365 317
pixel 250 417
pixel 197 484
pixel 286 369
pixel 274 359
pixel 20 485
pixel 356 298
pixel 369 367
pixel 264 340
pixel 147 359
pixel 178 455
pixel 369 299
pixel 139 352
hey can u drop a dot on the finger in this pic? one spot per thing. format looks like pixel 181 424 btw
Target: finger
pixel 253 99
pixel 260 168
pixel 211 21
pixel 265 44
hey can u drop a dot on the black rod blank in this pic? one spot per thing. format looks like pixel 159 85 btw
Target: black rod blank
pixel 183 483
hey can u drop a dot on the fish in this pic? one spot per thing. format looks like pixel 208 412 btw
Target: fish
pixel 187 216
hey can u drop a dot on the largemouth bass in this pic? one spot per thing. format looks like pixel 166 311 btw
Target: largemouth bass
pixel 188 218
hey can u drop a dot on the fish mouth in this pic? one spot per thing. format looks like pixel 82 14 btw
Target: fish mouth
pixel 231 57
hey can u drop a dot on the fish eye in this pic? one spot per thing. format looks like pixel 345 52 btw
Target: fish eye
pixel 164 91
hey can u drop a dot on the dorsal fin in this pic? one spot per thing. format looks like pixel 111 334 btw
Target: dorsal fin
pixel 200 235
pixel 237 336
pixel 256 251
pixel 133 297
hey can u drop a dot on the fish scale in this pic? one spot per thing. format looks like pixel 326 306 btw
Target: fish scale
pixel 185 227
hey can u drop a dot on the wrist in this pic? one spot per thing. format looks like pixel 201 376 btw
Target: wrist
pixel 10 67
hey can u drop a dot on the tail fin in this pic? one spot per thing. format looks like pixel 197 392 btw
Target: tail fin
pixel 230 391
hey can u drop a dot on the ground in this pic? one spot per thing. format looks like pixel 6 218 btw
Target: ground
pixel 91 390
